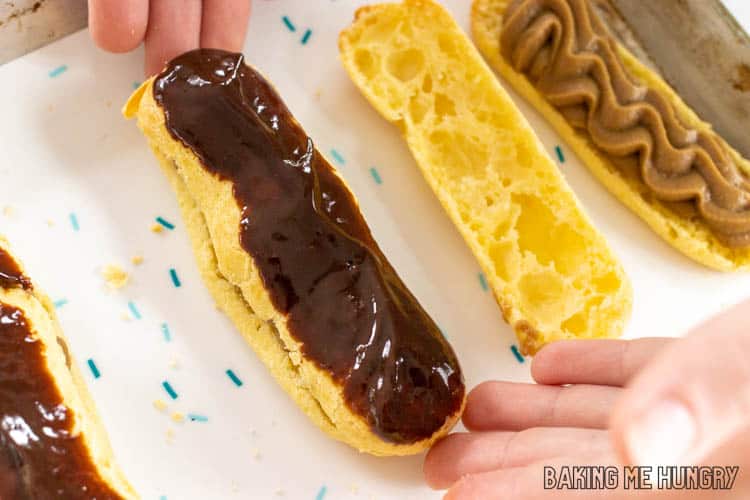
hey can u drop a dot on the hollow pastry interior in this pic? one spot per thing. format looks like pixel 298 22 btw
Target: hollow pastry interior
pixel 552 273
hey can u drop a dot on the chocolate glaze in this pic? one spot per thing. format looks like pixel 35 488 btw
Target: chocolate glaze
pixel 318 261
pixel 10 273
pixel 40 457
pixel 568 54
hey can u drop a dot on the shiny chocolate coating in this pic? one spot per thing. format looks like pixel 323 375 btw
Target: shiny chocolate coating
pixel 40 455
pixel 10 273
pixel 302 228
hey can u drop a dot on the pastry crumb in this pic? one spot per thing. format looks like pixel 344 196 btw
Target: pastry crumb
pixel 125 316
pixel 137 260
pixel 115 276
pixel 256 454
pixel 50 222
pixel 354 488
pixel 157 228
pixel 279 492
pixel 174 363
pixel 8 210
pixel 178 417
pixel 160 405
pixel 170 436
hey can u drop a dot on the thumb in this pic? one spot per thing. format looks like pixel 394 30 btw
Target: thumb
pixel 690 398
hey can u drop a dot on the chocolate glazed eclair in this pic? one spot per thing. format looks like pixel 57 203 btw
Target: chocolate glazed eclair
pixel 627 125
pixel 52 444
pixel 286 253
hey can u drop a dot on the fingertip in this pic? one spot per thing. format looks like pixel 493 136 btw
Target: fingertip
pixel 118 26
pixel 476 407
pixel 544 362
pixel 434 464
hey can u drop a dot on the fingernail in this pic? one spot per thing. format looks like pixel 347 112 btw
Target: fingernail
pixel 662 436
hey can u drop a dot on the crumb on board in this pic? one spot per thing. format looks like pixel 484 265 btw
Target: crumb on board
pixel 50 222
pixel 178 417
pixel 115 276
pixel 174 363
pixel 160 405
pixel 354 488
pixel 256 454
pixel 137 260
pixel 157 228
pixel 8 210
pixel 318 92
pixel 280 492
pixel 125 316
pixel 170 435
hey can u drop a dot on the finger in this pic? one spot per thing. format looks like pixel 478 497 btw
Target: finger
pixel 174 27
pixel 527 483
pixel 224 24
pixel 469 453
pixel 690 398
pixel 116 25
pixel 512 406
pixel 601 362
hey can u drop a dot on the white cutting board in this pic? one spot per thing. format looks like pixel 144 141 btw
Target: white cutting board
pixel 66 150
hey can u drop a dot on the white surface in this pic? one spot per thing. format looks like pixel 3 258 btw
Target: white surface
pixel 66 149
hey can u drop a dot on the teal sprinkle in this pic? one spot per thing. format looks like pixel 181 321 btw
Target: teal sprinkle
pixel 165 331
pixel 321 493
pixel 74 221
pixel 169 389
pixel 197 418
pixel 337 156
pixel 94 368
pixel 58 71
pixel 165 223
pixel 306 37
pixel 136 85
pixel 134 310
pixel 560 155
pixel 376 175
pixel 483 282
pixel 234 378
pixel 163 497
pixel 517 354
pixel 175 279
pixel 288 23
pixel 59 303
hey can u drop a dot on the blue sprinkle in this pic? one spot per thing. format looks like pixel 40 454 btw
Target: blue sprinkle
pixel 560 155
pixel 175 279
pixel 234 378
pixel 165 223
pixel 517 354
pixel 135 86
pixel 165 332
pixel 376 175
pixel 134 310
pixel 288 23
pixel 337 156
pixel 58 71
pixel 169 389
pixel 94 368
pixel 197 418
pixel 163 497
pixel 483 282
pixel 59 303
pixel 321 493
pixel 74 221
pixel 306 37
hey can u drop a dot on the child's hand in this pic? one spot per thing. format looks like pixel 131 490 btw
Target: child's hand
pixel 168 27
pixel 642 402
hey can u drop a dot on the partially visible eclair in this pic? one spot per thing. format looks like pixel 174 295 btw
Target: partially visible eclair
pixel 552 272
pixel 52 443
pixel 286 253
pixel 625 123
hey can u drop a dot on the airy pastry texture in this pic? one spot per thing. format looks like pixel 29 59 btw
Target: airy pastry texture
pixel 212 217
pixel 690 235
pixel 553 274
pixel 38 315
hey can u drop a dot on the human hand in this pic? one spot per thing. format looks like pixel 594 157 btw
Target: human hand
pixel 168 27
pixel 640 402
